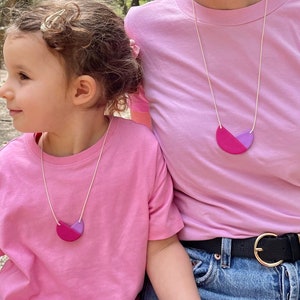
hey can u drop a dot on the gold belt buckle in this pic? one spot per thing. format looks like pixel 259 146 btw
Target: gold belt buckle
pixel 257 250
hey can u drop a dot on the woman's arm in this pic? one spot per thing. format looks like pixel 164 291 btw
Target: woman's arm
pixel 139 108
pixel 141 117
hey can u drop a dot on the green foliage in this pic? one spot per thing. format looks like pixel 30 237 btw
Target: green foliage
pixel 122 6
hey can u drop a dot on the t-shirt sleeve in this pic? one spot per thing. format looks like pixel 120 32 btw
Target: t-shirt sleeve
pixel 165 219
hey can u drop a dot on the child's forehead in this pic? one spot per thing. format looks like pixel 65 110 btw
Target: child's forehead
pixel 31 43
pixel 13 33
pixel 28 47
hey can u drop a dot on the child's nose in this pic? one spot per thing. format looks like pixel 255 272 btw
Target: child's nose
pixel 5 92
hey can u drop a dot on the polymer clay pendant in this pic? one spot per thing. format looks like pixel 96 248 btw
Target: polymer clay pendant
pixel 227 141
pixel 70 233
pixel 234 144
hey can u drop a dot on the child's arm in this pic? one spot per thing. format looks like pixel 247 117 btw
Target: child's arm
pixel 170 270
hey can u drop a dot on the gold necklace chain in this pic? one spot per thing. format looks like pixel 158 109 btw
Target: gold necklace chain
pixel 259 66
pixel 90 186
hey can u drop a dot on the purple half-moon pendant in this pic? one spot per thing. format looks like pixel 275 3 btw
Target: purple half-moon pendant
pixel 234 144
pixel 70 233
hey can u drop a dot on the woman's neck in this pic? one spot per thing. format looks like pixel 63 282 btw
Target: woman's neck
pixel 226 4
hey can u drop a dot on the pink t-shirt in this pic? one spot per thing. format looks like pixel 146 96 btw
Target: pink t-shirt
pixel 130 203
pixel 221 194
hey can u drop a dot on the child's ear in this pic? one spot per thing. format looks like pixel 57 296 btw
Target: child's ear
pixel 85 89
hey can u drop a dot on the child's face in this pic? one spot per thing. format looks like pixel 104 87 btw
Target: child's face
pixel 36 87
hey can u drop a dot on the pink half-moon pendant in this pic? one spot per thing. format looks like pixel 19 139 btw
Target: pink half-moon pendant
pixel 234 144
pixel 70 233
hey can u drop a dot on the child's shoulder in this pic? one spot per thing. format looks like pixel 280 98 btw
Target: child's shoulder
pixel 12 147
pixel 133 131
pixel 128 124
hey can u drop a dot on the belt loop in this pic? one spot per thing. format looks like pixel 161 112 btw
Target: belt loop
pixel 225 253
pixel 294 242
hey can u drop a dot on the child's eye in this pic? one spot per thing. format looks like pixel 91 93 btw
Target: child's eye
pixel 23 76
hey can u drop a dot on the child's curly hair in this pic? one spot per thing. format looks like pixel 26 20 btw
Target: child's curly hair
pixel 91 39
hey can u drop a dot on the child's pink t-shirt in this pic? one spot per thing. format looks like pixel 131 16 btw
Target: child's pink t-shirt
pixel 130 203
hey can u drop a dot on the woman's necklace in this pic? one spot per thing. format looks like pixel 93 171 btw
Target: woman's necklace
pixel 65 231
pixel 227 141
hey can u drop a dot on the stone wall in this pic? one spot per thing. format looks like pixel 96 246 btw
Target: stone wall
pixel 1 46
pixel 7 131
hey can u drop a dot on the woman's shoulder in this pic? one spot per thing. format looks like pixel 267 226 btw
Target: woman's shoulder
pixel 149 11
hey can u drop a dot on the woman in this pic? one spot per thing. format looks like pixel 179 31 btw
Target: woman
pixel 221 83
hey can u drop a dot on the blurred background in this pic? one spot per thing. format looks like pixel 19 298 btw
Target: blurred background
pixel 121 7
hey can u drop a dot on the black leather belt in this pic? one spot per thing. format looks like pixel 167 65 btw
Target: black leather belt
pixel 268 248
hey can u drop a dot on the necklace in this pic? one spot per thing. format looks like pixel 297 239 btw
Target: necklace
pixel 227 141
pixel 65 231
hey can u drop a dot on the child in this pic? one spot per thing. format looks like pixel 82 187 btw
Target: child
pixel 85 197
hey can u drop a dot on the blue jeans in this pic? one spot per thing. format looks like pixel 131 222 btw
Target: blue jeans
pixel 222 277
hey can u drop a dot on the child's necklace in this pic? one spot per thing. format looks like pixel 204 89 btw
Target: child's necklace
pixel 65 231
pixel 227 141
